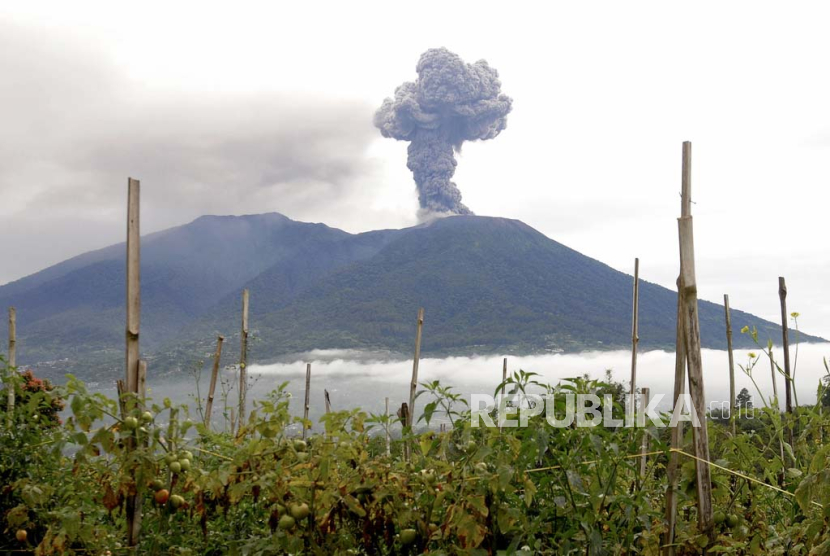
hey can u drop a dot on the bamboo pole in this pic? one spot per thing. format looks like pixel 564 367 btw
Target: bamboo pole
pixel 131 386
pixel 388 437
pixel 732 407
pixel 785 334
pixel 673 468
pixel 635 325
pixel 413 385
pixel 214 374
pixel 691 331
pixel 644 444
pixel 243 361
pixel 12 364
pixel 307 398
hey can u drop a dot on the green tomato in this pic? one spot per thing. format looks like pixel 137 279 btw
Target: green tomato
pixel 130 423
pixel 170 458
pixel 300 511
pixel 156 484
pixel 176 501
pixel 408 536
pixel 187 455
pixel 719 517
pixel 302 457
pixel 146 417
pixel 287 522
pixel 185 464
pixel 175 467
pixel 732 520
pixel 300 445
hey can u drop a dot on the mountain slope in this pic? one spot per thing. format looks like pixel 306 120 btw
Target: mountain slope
pixel 488 285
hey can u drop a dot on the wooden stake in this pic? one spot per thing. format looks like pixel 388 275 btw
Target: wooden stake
pixel 732 408
pixel 503 380
pixel 328 401
pixel 12 363
pixel 785 334
pixel 635 338
pixel 243 361
pixel 307 394
pixel 413 386
pixel 788 377
pixel 131 383
pixel 214 374
pixel 388 437
pixel 691 329
pixel 645 439
pixel 673 468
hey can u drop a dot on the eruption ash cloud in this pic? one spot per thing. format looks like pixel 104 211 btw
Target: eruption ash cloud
pixel 450 102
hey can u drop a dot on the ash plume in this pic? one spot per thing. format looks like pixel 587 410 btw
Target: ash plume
pixel 450 102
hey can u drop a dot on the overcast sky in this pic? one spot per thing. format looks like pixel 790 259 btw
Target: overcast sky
pixel 268 107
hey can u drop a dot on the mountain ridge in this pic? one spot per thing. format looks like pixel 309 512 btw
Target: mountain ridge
pixel 488 284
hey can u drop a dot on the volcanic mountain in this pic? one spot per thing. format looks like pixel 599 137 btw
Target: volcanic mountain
pixel 488 286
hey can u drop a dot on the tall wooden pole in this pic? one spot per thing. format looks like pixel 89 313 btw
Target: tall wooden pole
pixel 413 385
pixel 131 382
pixel 243 361
pixel 673 468
pixel 328 401
pixel 133 283
pixel 785 336
pixel 214 373
pixel 307 396
pixel 732 408
pixel 691 329
pixel 635 338
pixel 12 363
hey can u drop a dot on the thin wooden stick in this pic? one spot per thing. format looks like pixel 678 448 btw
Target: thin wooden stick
pixel 732 407
pixel 12 363
pixel 413 385
pixel 388 437
pixel 673 468
pixel 307 396
pixel 133 503
pixel 635 338
pixel 328 401
pixel 501 396
pixel 785 336
pixel 691 330
pixel 243 361
pixel 644 445
pixel 214 373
